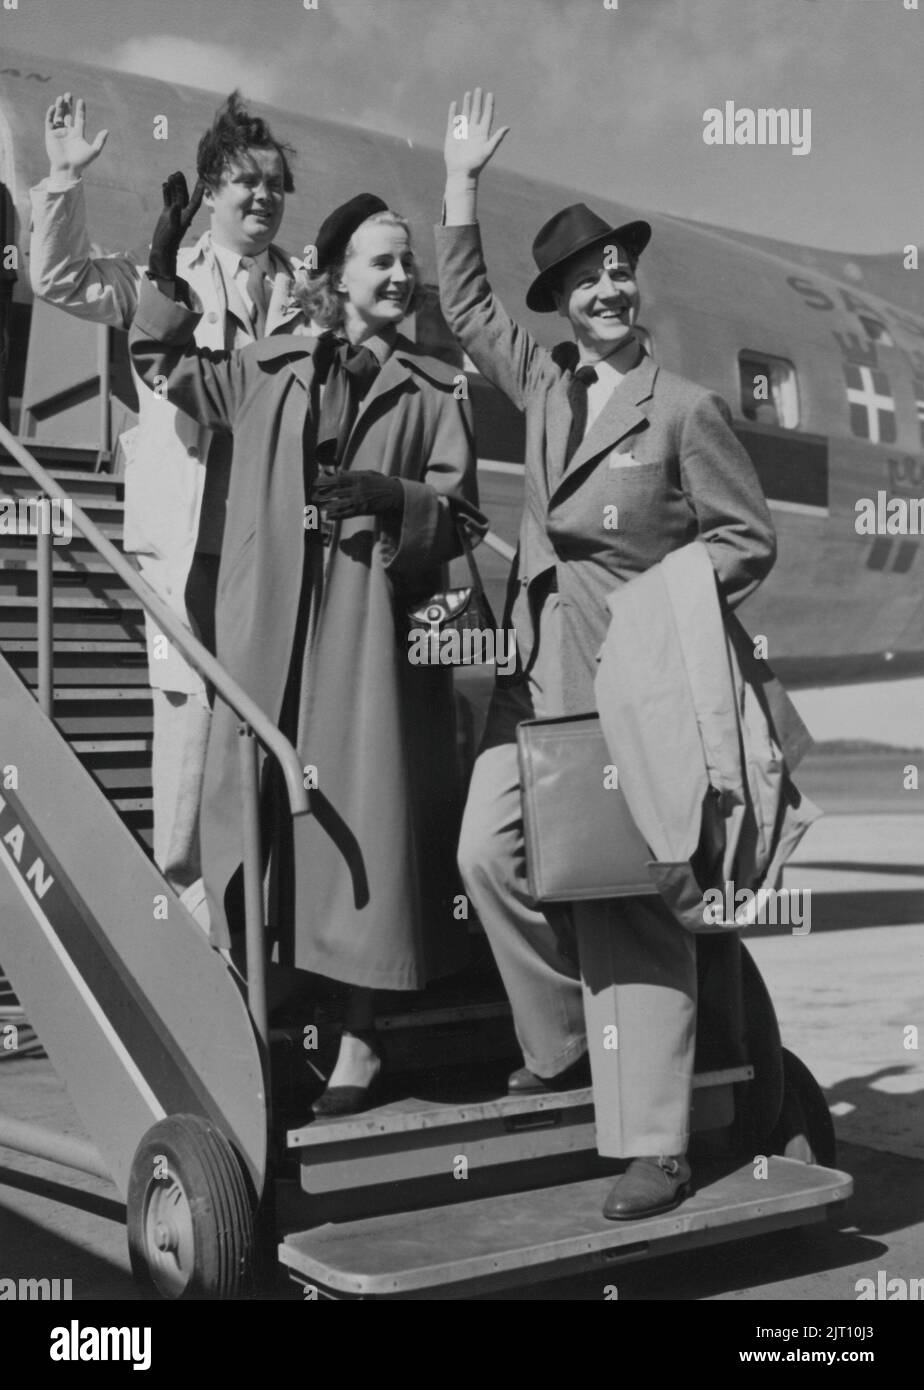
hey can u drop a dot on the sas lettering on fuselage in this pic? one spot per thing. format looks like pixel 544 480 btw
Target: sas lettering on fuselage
pixel 875 323
pixel 816 298
pixel 14 840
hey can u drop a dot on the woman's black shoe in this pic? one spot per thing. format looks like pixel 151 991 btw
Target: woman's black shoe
pixel 576 1077
pixel 350 1100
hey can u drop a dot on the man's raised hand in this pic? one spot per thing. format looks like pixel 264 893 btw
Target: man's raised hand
pixel 172 225
pixel 69 151
pixel 469 143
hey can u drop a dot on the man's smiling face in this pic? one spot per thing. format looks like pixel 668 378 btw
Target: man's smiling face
pixel 599 295
pixel 248 204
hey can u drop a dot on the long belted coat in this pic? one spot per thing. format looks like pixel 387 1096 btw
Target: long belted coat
pixel 373 880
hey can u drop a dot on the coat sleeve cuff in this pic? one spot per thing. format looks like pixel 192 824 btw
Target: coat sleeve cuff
pixel 426 528
pixel 165 320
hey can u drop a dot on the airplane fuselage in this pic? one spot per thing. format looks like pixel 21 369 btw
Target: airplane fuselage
pixel 825 379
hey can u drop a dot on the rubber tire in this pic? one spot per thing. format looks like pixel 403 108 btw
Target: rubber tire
pixel 205 1172
pixel 804 1130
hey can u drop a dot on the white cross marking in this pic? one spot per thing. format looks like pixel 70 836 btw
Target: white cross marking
pixel 873 403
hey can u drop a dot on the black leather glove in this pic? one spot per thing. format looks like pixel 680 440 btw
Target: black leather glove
pixel 172 225
pixel 363 493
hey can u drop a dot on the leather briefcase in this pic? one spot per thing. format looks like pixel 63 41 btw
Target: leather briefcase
pixel 581 841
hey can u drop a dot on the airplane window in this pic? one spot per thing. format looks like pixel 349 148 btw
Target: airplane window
pixel 769 390
pixel 876 330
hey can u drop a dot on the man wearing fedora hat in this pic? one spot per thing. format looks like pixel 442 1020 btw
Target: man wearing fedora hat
pixel 608 435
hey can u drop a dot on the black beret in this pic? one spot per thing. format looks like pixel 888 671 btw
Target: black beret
pixel 339 226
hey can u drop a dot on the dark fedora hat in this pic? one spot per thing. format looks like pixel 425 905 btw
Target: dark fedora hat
pixel 575 229
pixel 337 228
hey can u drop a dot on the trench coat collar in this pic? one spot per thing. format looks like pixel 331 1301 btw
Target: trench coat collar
pixel 282 309
pixel 619 416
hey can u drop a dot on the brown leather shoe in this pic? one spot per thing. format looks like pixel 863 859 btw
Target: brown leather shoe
pixel 524 1082
pixel 648 1187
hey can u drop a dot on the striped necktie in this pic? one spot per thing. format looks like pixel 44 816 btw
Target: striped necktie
pixel 256 289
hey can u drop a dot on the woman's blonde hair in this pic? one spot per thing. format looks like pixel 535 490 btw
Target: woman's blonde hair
pixel 322 302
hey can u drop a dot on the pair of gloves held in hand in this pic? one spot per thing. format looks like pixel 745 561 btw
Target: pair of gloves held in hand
pixel 341 494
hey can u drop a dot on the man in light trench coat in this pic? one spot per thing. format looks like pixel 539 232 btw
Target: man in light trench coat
pixel 605 428
pixel 174 509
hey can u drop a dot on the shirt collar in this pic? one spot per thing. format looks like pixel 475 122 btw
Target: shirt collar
pixel 380 347
pixel 230 261
pixel 608 372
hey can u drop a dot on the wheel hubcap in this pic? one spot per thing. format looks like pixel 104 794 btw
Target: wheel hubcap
pixel 169 1236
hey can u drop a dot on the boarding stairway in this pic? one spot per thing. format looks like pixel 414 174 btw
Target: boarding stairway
pixel 447 1189
pixel 102 700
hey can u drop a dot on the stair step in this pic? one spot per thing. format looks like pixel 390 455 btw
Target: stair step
pixel 15 547
pixel 80 670
pixel 131 779
pixel 414 1114
pixel 81 600
pixel 90 722
pixel 75 646
pixel 62 458
pixel 101 694
pixel 131 804
pixel 15 622
pixel 60 564
pixel 87 747
pixel 11 471
pixel 480 1246
pixel 90 622
pixel 415 1138
pixel 106 496
pixel 108 507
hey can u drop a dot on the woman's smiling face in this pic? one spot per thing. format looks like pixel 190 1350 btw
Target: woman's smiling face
pixel 378 278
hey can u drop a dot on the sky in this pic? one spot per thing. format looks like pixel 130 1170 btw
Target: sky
pixel 606 100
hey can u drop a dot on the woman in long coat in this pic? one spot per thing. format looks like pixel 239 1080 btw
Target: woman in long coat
pixel 312 632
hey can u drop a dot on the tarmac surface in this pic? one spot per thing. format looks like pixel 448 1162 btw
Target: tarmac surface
pixel 849 998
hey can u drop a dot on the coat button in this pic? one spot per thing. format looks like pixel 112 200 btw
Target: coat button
pixel 211 316
pixel 193 451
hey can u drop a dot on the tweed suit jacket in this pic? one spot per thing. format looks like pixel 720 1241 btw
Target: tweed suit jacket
pixel 659 467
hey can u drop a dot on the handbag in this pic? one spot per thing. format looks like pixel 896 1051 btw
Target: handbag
pixel 456 610
pixel 581 840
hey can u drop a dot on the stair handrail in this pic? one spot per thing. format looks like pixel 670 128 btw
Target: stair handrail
pixel 255 724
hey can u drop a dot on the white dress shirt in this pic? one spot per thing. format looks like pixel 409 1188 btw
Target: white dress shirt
pixel 599 391
pixel 235 271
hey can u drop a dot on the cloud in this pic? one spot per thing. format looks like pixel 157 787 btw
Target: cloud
pixel 193 63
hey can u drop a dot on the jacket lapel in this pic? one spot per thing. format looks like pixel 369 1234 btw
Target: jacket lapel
pixel 619 416
pixel 237 308
pixel 283 307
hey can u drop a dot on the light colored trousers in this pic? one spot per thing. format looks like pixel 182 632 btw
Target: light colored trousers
pixel 588 977
pixel 181 732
